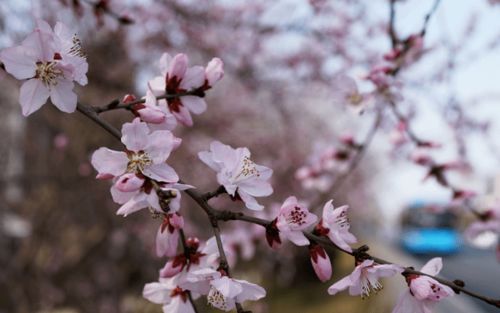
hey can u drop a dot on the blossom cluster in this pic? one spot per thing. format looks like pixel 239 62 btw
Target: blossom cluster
pixel 50 60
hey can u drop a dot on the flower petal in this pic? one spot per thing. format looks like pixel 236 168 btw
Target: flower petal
pixel 161 172
pixel 107 161
pixel 135 135
pixel 63 97
pixel 32 96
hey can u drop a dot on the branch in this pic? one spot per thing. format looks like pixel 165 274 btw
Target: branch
pixel 215 216
pixel 129 105
pixel 361 253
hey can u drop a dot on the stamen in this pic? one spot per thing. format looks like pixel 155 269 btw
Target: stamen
pixel 76 49
pixel 48 73
pixel 216 299
pixel 137 162
pixel 248 168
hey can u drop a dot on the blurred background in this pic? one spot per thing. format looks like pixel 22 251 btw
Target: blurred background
pixel 63 249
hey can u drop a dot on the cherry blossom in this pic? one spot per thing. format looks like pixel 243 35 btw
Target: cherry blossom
pixel 167 292
pixel 167 237
pixel 423 292
pixel 222 291
pixel 321 262
pixel 293 218
pixel 177 78
pixel 145 156
pixel 365 278
pixel 213 72
pixel 345 92
pixel 240 176
pixel 335 224
pixel 49 60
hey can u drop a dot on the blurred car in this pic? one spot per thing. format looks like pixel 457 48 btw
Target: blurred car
pixel 430 229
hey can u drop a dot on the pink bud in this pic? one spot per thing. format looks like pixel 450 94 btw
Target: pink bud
pixel 128 98
pixel 320 262
pixel 151 114
pixel 129 182
pixel 214 71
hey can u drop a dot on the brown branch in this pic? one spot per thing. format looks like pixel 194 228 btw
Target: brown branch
pixel 129 105
pixel 215 216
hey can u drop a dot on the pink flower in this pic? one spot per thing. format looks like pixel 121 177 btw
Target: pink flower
pixel 424 292
pixel 345 92
pixel 335 225
pixel 146 154
pixel 167 237
pixel 364 279
pixel 50 61
pixel 167 292
pixel 158 117
pixel 293 218
pixel 320 262
pixel 223 292
pixel 239 175
pixel 177 78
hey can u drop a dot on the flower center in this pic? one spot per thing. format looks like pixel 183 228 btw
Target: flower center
pixel 217 300
pixel 137 162
pixel 355 98
pixel 342 220
pixel 297 216
pixel 248 168
pixel 48 73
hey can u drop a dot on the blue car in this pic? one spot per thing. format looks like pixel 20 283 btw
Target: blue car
pixel 427 230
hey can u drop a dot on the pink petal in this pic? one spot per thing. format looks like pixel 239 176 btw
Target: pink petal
pixel 249 201
pixel 164 62
pixel 121 197
pixel 129 182
pixel 32 96
pixel 18 63
pixel 40 44
pixel 194 78
pixel 433 266
pixel 297 237
pixel 195 104
pixel 107 161
pixel 250 292
pixel 342 284
pixel 256 188
pixel 183 116
pixel 135 135
pixel 178 66
pixel 161 172
pixel 160 144
pixel 166 243
pixel 135 204
pixel 157 293
pixel 63 97
pixel 169 270
pixel 227 287
pixel 151 114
